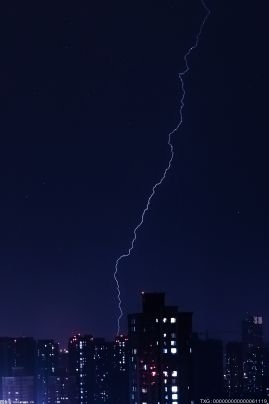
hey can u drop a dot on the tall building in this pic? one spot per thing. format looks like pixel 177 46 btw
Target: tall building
pixel 207 362
pixel 62 389
pixel 253 356
pixel 81 366
pixel 266 372
pixel 160 353
pixel 18 388
pixel 23 355
pixel 119 371
pixel 6 359
pixel 47 364
pixel 101 366
pixel 18 369
pixel 233 372
pixel 63 362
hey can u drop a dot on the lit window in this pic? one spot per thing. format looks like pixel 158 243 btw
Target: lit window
pixel 157 320
pixel 165 350
pixel 173 350
pixel 174 396
pixel 164 320
pixel 174 373
pixel 173 343
pixel 174 389
pixel 173 320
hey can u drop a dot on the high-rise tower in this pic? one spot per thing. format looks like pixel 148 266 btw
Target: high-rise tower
pixel 160 353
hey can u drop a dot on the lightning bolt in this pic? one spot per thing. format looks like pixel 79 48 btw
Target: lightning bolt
pixel 172 153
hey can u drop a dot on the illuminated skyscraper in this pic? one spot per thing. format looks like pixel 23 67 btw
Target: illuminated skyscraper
pixel 160 353
pixel 119 371
pixel 81 366
pixel 62 389
pixel 47 363
pixel 17 368
pixel 101 367
pixel 233 373
pixel 7 358
pixel 18 388
pixel 253 356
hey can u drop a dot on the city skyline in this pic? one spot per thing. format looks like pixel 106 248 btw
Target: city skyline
pixel 226 334
pixel 161 359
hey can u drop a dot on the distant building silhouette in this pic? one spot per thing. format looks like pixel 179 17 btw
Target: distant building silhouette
pixel 233 372
pixel 246 370
pixel 62 389
pixel 81 367
pixel 7 359
pixel 119 371
pixel 207 368
pixel 160 353
pixel 18 388
pixel 47 363
pixel 18 369
pixel 100 370
pixel 253 356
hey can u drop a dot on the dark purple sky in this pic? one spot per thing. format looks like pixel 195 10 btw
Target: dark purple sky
pixel 89 91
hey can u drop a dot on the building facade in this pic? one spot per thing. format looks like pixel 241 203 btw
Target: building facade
pixel 81 367
pixel 233 373
pixel 207 367
pixel 47 364
pixel 253 356
pixel 160 353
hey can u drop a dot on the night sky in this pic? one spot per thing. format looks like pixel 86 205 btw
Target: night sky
pixel 89 92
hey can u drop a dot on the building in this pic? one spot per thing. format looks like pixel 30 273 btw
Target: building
pixel 160 353
pixel 18 388
pixel 18 369
pixel 81 367
pixel 47 364
pixel 119 371
pixel 233 372
pixel 24 355
pixel 101 364
pixel 253 356
pixel 207 364
pixel 6 359
pixel 62 389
